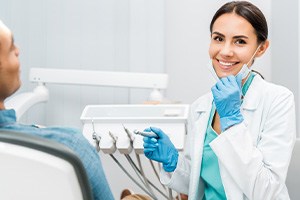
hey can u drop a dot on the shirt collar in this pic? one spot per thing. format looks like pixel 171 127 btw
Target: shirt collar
pixel 7 117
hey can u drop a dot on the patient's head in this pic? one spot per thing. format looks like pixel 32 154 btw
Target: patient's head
pixel 9 64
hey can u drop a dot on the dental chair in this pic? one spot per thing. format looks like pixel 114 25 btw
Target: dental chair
pixel 293 180
pixel 33 168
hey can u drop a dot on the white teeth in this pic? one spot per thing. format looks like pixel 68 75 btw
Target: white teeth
pixel 226 64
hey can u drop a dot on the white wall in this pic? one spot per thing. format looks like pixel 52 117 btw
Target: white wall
pixel 285 51
pixel 114 35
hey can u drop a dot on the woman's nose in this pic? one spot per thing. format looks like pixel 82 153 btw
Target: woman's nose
pixel 226 50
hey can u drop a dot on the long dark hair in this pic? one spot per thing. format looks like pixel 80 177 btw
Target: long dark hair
pixel 249 12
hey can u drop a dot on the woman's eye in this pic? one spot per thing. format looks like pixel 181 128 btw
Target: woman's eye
pixel 240 41
pixel 218 38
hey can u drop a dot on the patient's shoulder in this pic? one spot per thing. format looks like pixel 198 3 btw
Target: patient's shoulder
pixel 62 129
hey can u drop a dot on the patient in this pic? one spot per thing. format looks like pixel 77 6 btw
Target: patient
pixel 72 138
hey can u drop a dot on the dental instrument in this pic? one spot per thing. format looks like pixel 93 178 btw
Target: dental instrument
pixel 170 117
pixel 161 150
pixel 147 181
pixel 113 137
pixel 145 134
pixel 140 175
pixel 156 173
pixel 129 134
pixel 127 173
pixel 124 170
pixel 96 137
pixel 170 193
pixel 139 171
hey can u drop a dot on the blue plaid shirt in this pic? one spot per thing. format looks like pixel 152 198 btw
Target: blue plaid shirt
pixel 73 139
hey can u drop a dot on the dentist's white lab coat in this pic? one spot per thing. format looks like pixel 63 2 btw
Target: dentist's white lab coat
pixel 253 156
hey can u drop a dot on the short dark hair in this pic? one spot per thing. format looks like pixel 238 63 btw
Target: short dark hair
pixel 249 12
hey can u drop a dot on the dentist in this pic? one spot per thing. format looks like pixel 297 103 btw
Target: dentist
pixel 241 135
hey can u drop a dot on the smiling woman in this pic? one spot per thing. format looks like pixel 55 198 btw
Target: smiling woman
pixel 237 38
pixel 241 135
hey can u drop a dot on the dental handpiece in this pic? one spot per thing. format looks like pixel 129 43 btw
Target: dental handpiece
pixel 144 133
pixel 129 134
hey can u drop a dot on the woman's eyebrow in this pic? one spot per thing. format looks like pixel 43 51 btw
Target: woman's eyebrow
pixel 240 36
pixel 217 33
pixel 235 37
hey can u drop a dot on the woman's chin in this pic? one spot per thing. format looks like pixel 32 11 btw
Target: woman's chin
pixel 222 75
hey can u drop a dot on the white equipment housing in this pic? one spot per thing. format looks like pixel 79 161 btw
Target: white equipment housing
pixel 111 118
pixel 36 168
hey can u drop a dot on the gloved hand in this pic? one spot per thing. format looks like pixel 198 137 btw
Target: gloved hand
pixel 161 149
pixel 227 96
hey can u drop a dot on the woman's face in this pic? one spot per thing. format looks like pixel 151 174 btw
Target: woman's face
pixel 9 63
pixel 233 43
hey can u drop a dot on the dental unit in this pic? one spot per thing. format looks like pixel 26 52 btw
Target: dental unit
pixel 115 128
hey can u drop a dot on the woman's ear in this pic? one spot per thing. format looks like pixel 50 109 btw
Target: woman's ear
pixel 262 49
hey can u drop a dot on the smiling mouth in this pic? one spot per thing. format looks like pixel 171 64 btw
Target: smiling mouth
pixel 227 65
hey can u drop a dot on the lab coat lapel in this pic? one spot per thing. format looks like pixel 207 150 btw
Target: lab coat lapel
pixel 252 97
pixel 201 116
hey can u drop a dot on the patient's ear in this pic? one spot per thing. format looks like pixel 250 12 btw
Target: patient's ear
pixel 262 49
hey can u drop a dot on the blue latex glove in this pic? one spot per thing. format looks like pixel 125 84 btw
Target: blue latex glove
pixel 227 96
pixel 161 149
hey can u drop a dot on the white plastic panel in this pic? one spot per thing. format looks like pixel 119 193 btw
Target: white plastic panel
pixel 101 78
pixel 111 118
pixel 24 172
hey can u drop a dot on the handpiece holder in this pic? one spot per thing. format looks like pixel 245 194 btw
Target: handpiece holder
pixel 169 117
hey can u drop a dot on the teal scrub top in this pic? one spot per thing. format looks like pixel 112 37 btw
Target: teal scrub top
pixel 210 172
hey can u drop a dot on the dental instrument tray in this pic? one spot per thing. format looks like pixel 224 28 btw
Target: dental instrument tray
pixel 105 119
